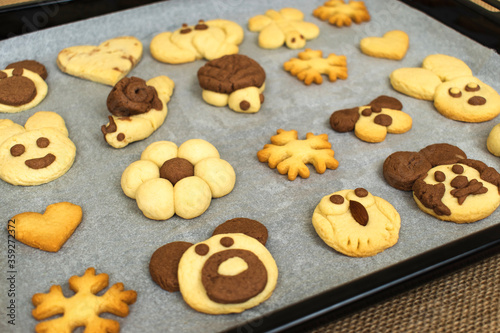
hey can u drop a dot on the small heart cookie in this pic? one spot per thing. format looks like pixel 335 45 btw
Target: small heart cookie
pixel 48 231
pixel 393 45
pixel 107 63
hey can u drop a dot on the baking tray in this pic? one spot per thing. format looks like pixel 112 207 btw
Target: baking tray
pixel 114 236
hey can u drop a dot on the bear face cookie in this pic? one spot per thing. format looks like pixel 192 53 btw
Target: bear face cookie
pixel 37 153
pixel 207 39
pixel 356 223
pixel 227 273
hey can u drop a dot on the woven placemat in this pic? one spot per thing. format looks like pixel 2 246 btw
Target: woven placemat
pixel 467 300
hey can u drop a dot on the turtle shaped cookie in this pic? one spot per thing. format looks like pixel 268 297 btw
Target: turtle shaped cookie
pixel 234 80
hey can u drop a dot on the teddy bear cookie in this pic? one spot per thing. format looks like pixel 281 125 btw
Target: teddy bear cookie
pixel 22 86
pixel 182 180
pixel 448 82
pixel 372 122
pixel 445 183
pixel 234 80
pixel 393 45
pixel 289 155
pixel 106 63
pixel 37 153
pixel 207 39
pixel 339 13
pixel 230 272
pixel 311 64
pixel 138 109
pixel 356 223
pixel 285 26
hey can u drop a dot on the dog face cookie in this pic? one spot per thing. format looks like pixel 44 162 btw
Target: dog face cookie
pixel 182 180
pixel 286 26
pixel 289 154
pixel 342 14
pixel 138 109
pixel 36 154
pixel 235 80
pixel 393 45
pixel 356 223
pixel 371 123
pixel 107 63
pixel 310 65
pixel 227 273
pixel 207 39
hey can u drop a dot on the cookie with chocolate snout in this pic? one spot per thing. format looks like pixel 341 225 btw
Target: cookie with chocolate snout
pixel 372 122
pixel 356 223
pixel 234 80
pixel 445 183
pixel 230 272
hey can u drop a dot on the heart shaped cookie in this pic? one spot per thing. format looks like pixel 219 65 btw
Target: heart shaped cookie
pixel 107 63
pixel 47 231
pixel 393 45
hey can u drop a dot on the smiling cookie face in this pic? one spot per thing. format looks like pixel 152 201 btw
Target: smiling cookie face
pixel 36 156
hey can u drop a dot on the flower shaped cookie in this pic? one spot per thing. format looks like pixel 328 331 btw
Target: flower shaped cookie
pixel 182 180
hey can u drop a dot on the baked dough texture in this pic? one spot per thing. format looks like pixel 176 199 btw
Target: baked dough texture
pixel 20 89
pixel 340 14
pixel 393 45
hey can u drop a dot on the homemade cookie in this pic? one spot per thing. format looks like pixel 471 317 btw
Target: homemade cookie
pixel 493 141
pixel 289 154
pixel 182 180
pixel 227 273
pixel 371 123
pixel 393 45
pixel 446 67
pixel 83 308
pixel 31 65
pixel 338 13
pixel 415 82
pixel 207 39
pixel 234 80
pixel 138 109
pixel 311 64
pixel 48 231
pixel 356 223
pixel 107 63
pixel 286 26
pixel 37 153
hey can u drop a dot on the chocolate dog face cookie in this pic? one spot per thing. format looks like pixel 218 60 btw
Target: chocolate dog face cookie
pixel 356 223
pixel 227 273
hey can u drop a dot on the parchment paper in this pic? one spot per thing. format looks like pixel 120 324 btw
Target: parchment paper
pixel 115 237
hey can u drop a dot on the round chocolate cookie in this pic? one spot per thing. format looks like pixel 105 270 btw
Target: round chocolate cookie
pixel 401 169
pixel 164 264
pixel 30 65
pixel 442 153
pixel 245 226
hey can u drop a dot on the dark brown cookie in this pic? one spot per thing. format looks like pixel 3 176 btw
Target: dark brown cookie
pixel 387 102
pixel 442 153
pixel 30 65
pixel 17 89
pixel 176 169
pixel 245 226
pixel 164 264
pixel 401 169
pixel 131 96
pixel 344 120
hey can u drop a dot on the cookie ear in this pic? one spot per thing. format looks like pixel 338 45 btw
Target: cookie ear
pixel 401 169
pixel 245 226
pixel 387 102
pixel 44 119
pixel 9 128
pixel 344 120
pixel 442 153
pixel 164 264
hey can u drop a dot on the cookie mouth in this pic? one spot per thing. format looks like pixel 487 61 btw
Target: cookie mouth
pixel 40 163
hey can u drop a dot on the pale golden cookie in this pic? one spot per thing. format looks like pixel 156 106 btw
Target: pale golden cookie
pixel 207 39
pixel 107 63
pixel 342 14
pixel 493 141
pixel 356 223
pixel 289 154
pixel 393 45
pixel 311 64
pixel 285 26
pixel 416 82
pixel 38 153
pixel 20 89
pixel 446 67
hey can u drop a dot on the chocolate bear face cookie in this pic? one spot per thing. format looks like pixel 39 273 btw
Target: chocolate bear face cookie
pixel 228 273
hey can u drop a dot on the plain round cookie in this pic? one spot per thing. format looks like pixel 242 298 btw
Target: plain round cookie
pixel 493 141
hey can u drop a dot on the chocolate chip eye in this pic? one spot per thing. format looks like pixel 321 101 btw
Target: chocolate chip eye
pixel 201 249
pixel 42 142
pixel 293 40
pixel 367 112
pixel 226 241
pixel 120 137
pixel 301 37
pixel 455 92
pixel 458 169
pixel 185 29
pixel 439 176
pixel 361 192
pixel 201 25
pixel 472 86
pixel 17 150
pixel 337 199
pixel 376 108
pixel 244 105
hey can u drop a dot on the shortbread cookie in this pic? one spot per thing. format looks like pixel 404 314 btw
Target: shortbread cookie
pixel 48 231
pixel 415 82
pixel 37 153
pixel 311 64
pixel 371 123
pixel 20 89
pixel 182 180
pixel 83 308
pixel 493 141
pixel 289 155
pixel 446 67
pixel 234 80
pixel 356 223
pixel 207 39
pixel 227 273
pixel 138 109
pixel 393 45
pixel 107 63
pixel 285 26
pixel 339 13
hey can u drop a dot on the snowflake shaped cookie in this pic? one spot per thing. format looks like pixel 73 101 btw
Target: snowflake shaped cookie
pixel 342 14
pixel 83 308
pixel 311 64
pixel 289 154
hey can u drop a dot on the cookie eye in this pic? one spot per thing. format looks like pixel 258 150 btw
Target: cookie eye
pixel 42 142
pixel 201 25
pixel 301 37
pixel 244 105
pixel 201 249
pixel 472 86
pixel 337 199
pixel 361 192
pixel 226 241
pixel 439 176
pixel 458 169
pixel 455 92
pixel 185 29
pixel 17 150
